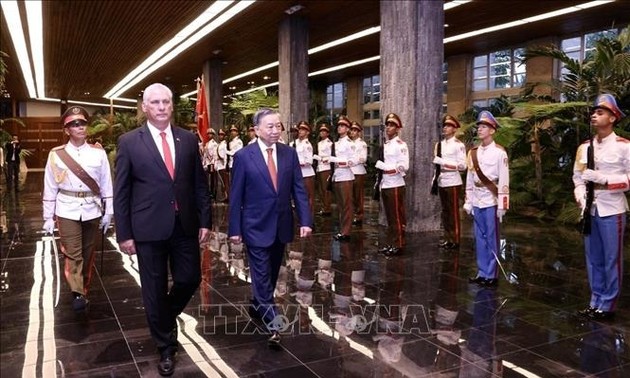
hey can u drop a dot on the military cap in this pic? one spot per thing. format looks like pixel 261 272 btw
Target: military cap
pixel 304 125
pixel 251 128
pixel 234 128
pixel 221 132
pixel 487 118
pixel 211 131
pixel 74 113
pixel 324 127
pixel 607 101
pixel 451 121
pixel 393 118
pixel 356 125
pixel 343 120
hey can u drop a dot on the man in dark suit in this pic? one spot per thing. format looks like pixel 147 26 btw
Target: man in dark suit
pixel 162 207
pixel 12 150
pixel 266 176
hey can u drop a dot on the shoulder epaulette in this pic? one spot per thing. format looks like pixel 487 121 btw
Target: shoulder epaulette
pixel 97 146
pixel 458 141
pixel 59 147
pixel 622 140
pixel 586 141
pixel 500 146
pixel 400 141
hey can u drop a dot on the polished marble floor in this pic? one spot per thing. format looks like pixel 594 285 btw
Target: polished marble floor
pixel 349 312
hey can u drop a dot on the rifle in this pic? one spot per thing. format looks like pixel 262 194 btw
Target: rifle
pixel 590 188
pixel 438 168
pixel 329 183
pixel 376 195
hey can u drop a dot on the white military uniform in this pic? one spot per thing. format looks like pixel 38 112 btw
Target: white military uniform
pixel 453 153
pixel 396 163
pixel 210 153
pixel 493 162
pixel 304 151
pixel 60 183
pixel 221 157
pixel 345 157
pixel 612 159
pixel 235 145
pixel 324 150
pixel 360 149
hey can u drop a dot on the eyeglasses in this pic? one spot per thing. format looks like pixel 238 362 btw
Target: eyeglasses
pixel 76 123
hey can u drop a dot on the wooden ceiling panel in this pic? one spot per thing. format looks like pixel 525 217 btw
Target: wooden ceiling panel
pixel 91 45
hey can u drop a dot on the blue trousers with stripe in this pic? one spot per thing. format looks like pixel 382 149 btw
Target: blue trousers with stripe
pixel 604 259
pixel 486 228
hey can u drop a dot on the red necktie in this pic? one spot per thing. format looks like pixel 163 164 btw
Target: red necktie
pixel 168 158
pixel 272 168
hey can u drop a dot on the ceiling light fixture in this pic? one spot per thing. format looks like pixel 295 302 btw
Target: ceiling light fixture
pixel 35 23
pixel 455 3
pixel 527 20
pixel 182 40
pixel 14 22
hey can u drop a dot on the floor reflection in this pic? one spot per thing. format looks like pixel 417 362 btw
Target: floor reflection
pixel 347 311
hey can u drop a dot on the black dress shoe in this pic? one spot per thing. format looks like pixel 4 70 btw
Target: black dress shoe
pixel 166 366
pixel 384 249
pixel 393 251
pixel 324 213
pixel 450 245
pixel 602 315
pixel 274 340
pixel 79 303
pixel 253 313
pixel 342 237
pixel 357 222
pixel 476 280
pixel 490 282
pixel 587 311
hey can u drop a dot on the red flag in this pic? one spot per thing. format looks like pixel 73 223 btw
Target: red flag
pixel 202 112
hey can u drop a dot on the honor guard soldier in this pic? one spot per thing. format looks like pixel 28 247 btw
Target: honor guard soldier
pixel 344 157
pixel 358 189
pixel 78 193
pixel 210 156
pixel 324 150
pixel 304 151
pixel 221 164
pixel 450 156
pixel 234 145
pixel 251 133
pixel 294 131
pixel 395 166
pixel 609 173
pixel 487 197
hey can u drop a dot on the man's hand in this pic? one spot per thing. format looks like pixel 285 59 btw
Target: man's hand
pixel 49 226
pixel 106 220
pixel 594 176
pixel 468 208
pixel 501 214
pixel 128 246
pixel 305 231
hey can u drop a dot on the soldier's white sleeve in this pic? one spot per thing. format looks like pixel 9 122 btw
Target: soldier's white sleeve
pixel 49 195
pixel 620 182
pixel 402 165
pixel 461 157
pixel 578 167
pixel 105 183
pixel 362 153
pixel 470 178
pixel 503 200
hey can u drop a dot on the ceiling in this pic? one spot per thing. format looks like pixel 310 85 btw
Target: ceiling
pixel 91 45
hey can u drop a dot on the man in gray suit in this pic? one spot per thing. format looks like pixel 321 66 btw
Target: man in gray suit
pixel 162 207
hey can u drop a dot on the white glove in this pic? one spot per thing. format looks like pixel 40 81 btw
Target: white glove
pixel 594 176
pixel 105 222
pixel 316 157
pixel 49 226
pixel 438 160
pixel 350 163
pixel 468 208
pixel 580 196
pixel 380 165
pixel 500 214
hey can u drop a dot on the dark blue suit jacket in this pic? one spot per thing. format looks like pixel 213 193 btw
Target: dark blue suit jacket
pixel 257 212
pixel 145 193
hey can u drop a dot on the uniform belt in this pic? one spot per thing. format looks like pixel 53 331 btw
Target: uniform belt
pixel 76 194
pixel 480 184
pixel 601 187
pixel 342 164
pixel 390 172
